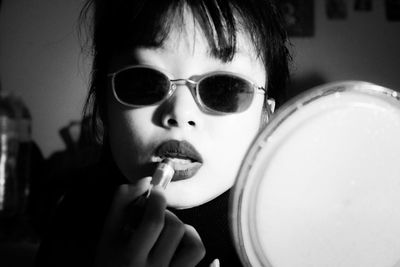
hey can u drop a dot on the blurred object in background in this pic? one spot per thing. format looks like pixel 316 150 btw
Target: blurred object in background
pixel 70 135
pixel 298 16
pixel 80 148
pixel 10 197
pixel 21 169
pixel 61 168
pixel 23 164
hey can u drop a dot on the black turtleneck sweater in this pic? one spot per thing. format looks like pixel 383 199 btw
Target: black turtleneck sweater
pixel 77 225
pixel 211 222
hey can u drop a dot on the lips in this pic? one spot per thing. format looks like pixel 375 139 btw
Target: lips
pixel 186 160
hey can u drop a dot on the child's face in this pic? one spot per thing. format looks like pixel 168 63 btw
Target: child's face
pixel 222 141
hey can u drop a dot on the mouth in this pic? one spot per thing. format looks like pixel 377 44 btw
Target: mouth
pixel 186 160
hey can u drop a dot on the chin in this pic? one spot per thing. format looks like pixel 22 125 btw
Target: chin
pixel 184 195
pixel 187 204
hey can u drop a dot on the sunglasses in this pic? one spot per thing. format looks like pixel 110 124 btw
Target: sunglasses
pixel 216 92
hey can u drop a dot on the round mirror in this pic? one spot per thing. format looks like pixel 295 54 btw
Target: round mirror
pixel 320 186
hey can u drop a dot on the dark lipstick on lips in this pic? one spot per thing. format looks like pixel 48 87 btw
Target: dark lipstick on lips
pixel 186 160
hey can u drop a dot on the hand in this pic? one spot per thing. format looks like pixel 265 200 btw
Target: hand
pixel 159 238
pixel 215 263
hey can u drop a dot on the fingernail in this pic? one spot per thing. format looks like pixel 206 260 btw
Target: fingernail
pixel 215 263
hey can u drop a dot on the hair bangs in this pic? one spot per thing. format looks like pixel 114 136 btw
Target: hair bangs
pixel 141 23
pixel 149 23
pixel 218 25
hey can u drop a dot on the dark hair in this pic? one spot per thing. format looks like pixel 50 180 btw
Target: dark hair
pixel 121 24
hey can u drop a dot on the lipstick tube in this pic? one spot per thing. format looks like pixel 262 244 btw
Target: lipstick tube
pixel 162 177
pixel 163 174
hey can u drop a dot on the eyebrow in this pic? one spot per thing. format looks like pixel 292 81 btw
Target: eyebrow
pixel 213 54
pixel 217 54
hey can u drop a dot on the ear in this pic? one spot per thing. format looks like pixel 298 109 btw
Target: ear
pixel 268 110
pixel 271 104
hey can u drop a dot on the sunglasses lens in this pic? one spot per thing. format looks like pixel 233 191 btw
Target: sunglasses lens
pixel 226 93
pixel 140 86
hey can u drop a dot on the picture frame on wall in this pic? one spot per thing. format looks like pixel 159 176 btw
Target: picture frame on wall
pixel 298 16
pixel 392 10
pixel 363 5
pixel 336 9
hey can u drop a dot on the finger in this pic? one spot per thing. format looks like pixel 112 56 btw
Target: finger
pixel 109 243
pixel 215 263
pixel 152 223
pixel 190 251
pixel 122 197
pixel 168 241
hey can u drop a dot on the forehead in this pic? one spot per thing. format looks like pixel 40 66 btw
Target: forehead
pixel 187 37
pixel 190 36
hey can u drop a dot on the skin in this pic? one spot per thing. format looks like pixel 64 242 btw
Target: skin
pixel 221 140
pixel 161 239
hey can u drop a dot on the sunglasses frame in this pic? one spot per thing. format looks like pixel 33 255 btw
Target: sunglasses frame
pixel 193 86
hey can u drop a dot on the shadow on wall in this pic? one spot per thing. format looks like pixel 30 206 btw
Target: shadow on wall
pixel 300 84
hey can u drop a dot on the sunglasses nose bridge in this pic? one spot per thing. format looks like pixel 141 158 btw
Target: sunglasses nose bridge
pixel 189 83
pixel 183 82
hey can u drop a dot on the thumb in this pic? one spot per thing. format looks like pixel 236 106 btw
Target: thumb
pixel 215 263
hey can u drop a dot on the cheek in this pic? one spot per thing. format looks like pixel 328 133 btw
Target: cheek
pixel 241 128
pixel 239 136
pixel 129 136
pixel 232 139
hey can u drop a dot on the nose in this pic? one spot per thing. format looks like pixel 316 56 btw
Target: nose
pixel 180 110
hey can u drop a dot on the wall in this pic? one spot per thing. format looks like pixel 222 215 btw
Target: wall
pixel 365 46
pixel 41 59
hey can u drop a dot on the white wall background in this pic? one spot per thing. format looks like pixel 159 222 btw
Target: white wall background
pixel 41 59
pixel 365 46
